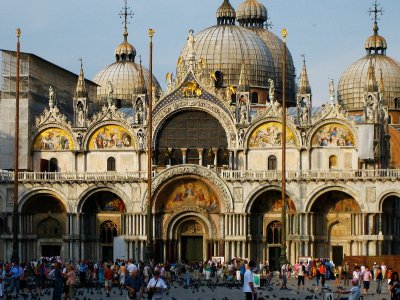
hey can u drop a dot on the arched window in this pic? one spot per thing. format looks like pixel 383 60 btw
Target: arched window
pixel 254 98
pixel 53 165
pixel 274 233
pixel 332 162
pixel 108 231
pixel 110 164
pixel 49 228
pixel 219 79
pixel 272 163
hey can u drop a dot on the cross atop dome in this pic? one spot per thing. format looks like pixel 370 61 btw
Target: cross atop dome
pixel 376 10
pixel 376 43
pixel 125 13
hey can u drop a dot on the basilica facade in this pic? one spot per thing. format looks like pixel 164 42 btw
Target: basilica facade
pixel 217 158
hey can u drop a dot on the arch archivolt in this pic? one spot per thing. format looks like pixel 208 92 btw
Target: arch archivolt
pixel 61 126
pixel 265 120
pixel 95 189
pixel 165 177
pixel 318 192
pixel 249 201
pixel 181 215
pixel 386 194
pixel 196 104
pixel 317 126
pixel 27 195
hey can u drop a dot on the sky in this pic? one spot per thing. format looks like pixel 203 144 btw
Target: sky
pixel 331 33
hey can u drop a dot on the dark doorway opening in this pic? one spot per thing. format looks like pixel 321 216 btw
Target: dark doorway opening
pixel 337 255
pixel 192 248
pixel 107 253
pixel 274 258
pixel 51 250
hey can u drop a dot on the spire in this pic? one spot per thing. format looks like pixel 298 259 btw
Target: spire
pixel 243 80
pixel 372 85
pixel 304 85
pixel 140 84
pixel 376 43
pixel 80 87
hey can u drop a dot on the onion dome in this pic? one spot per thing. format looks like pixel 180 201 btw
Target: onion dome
pixel 354 80
pixel 125 51
pixel 226 13
pixel 376 43
pixel 251 13
pixel 224 48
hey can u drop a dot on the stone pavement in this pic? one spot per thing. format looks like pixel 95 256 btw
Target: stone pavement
pixel 232 293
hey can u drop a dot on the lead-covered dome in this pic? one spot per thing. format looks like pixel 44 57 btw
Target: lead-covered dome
pixel 352 84
pixel 123 75
pixel 252 15
pixel 228 49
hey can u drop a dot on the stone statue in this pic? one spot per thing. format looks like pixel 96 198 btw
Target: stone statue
pixel 140 138
pixel 110 91
pixel 241 136
pixel 169 82
pixel 303 112
pixel 271 90
pixel 369 109
pixel 211 157
pixel 243 113
pixel 51 97
pixel 80 115
pixel 168 155
pixel 304 138
pixel 139 111
pixel 331 90
pixel 79 139
pixel 190 50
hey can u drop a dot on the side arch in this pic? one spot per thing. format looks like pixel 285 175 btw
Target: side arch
pixel 92 190
pixel 27 195
pixel 386 194
pixel 264 188
pixel 315 194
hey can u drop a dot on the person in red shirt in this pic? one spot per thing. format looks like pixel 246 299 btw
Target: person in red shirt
pixel 322 272
pixel 108 276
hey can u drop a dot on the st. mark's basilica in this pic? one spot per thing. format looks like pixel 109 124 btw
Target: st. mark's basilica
pixel 217 159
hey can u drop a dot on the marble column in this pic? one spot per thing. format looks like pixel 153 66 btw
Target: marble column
pixel 200 151
pixel 215 150
pixel 183 150
pixel 231 159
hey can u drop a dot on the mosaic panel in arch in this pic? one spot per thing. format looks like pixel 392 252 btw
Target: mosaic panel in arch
pixel 333 135
pixel 54 139
pixel 111 137
pixel 270 135
pixel 188 192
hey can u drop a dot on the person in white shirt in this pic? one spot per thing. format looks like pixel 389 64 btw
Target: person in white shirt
pixel 383 268
pixel 248 282
pixel 131 267
pixel 355 291
pixel 156 286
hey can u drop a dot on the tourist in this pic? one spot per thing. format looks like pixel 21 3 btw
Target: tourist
pixel 56 274
pixel 379 278
pixel 248 282
pixel 14 274
pixel 322 272
pixel 394 287
pixel 315 274
pixel 156 286
pixel 2 280
pixel 345 273
pixel 82 268
pixel 374 270
pixel 122 274
pixel 384 269
pixel 135 285
pixel 354 292
pixel 108 276
pixel 187 275
pixel 366 277
pixel 208 270
pixel 300 276
pixel 336 274
pixel 71 281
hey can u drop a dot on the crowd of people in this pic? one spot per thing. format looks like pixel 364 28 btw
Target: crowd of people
pixel 139 279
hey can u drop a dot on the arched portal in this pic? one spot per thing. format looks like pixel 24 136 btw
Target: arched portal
pixel 335 223
pixel 100 222
pixel 265 226
pixel 187 213
pixel 390 225
pixel 43 224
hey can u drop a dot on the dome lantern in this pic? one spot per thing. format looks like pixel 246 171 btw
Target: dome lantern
pixel 376 43
pixel 226 14
pixel 252 13
pixel 125 51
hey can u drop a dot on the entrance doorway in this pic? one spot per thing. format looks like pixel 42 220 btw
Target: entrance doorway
pixel 192 248
pixel 337 255
pixel 51 250
pixel 274 258
pixel 107 253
